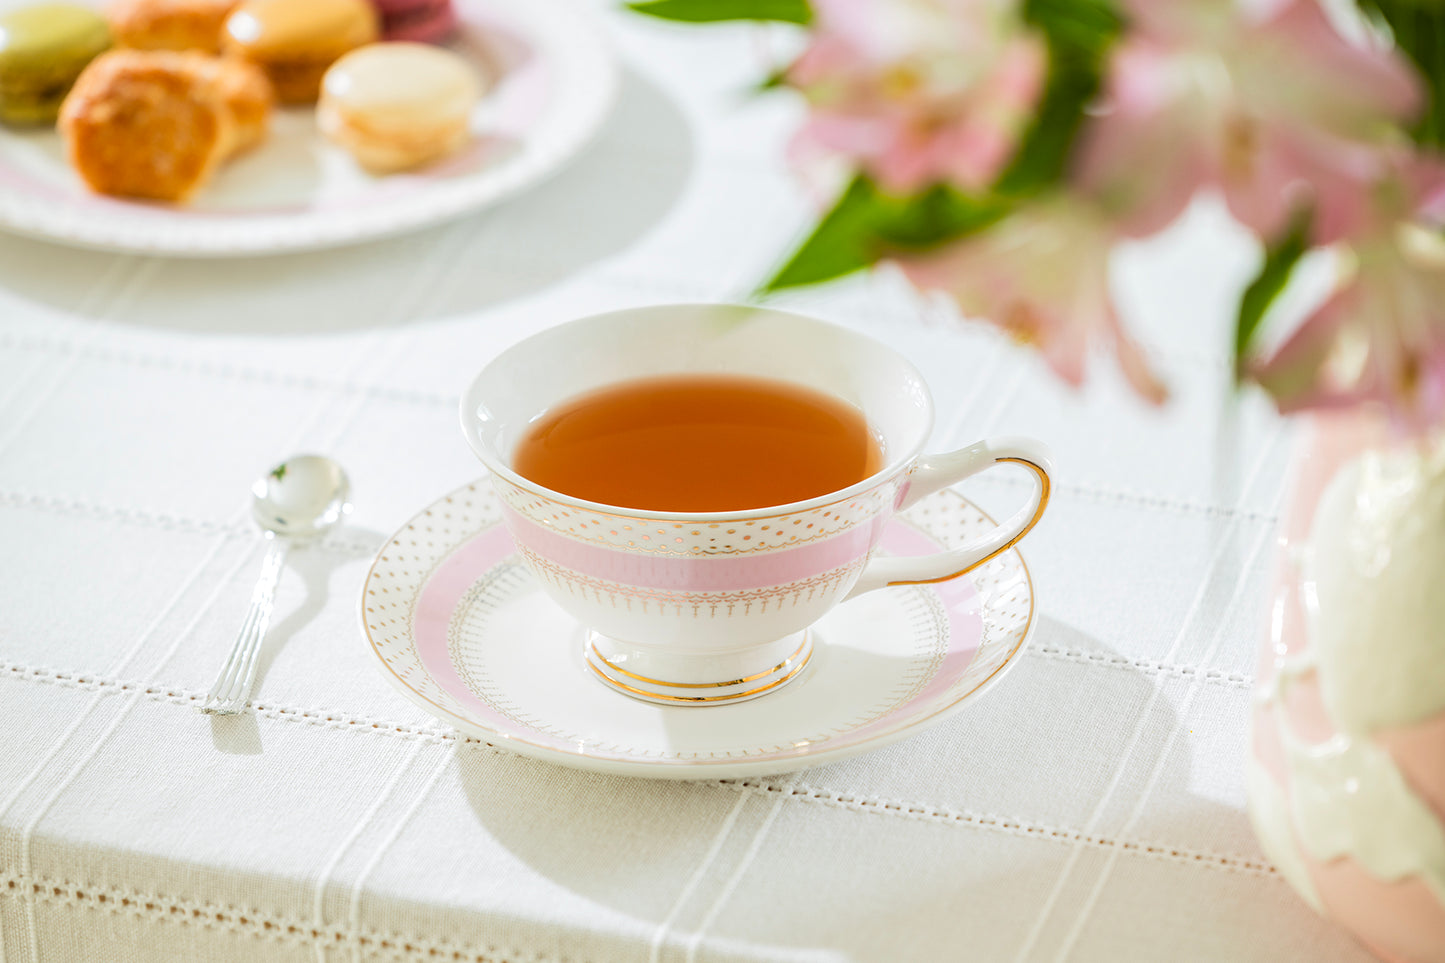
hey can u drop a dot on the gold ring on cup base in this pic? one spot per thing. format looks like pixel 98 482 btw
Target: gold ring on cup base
pixel 779 674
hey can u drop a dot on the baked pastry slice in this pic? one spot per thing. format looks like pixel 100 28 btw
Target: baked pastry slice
pixel 169 24
pixel 157 124
pixel 247 94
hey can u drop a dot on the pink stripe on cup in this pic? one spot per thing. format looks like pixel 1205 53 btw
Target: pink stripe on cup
pixel 702 573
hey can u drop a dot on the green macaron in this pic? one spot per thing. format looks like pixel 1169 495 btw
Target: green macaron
pixel 42 50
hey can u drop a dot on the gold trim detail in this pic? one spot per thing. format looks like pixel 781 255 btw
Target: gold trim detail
pixel 695 699
pixel 1045 487
pixel 701 685
pixel 696 599
pixel 830 520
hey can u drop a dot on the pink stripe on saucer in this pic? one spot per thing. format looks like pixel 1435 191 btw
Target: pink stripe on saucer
pixel 436 604
pixel 965 622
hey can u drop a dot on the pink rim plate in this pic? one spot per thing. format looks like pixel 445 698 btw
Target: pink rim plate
pixel 553 79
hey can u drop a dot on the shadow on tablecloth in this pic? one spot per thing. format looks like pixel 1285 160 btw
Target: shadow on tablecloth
pixel 935 840
pixel 604 200
pixel 240 734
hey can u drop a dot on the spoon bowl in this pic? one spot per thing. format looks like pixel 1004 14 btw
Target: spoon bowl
pixel 302 497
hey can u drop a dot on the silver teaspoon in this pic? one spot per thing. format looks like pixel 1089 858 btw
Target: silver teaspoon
pixel 300 498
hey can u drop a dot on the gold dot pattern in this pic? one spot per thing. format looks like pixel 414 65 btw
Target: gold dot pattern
pixel 703 539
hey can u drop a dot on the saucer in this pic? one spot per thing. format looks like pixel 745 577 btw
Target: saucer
pixel 460 627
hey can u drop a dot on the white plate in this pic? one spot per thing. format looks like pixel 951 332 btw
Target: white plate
pixel 554 77
pixel 458 625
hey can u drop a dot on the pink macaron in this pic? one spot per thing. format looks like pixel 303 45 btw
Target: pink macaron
pixel 425 21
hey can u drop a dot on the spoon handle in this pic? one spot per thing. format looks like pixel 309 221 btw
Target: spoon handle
pixel 233 685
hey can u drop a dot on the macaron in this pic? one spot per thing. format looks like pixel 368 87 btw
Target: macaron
pixel 42 50
pixel 397 106
pixel 295 41
pixel 425 21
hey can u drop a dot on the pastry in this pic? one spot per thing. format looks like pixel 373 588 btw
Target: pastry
pixel 246 93
pixel 295 41
pixel 169 24
pixel 157 124
pixel 396 106
pixel 427 21
pixel 42 50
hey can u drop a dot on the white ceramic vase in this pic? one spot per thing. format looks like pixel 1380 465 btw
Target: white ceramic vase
pixel 1347 767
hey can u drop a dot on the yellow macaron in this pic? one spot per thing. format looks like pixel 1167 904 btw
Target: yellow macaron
pixel 296 41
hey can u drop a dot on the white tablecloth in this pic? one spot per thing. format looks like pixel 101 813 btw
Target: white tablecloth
pixel 1090 808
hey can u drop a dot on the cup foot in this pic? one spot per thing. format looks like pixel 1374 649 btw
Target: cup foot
pixel 650 675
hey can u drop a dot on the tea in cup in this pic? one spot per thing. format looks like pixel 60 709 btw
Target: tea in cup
pixel 698 484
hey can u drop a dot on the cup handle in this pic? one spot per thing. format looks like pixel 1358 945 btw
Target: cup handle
pixel 935 472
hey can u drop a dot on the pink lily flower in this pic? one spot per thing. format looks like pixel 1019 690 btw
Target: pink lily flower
pixel 917 92
pixel 1042 275
pixel 1272 111
pixel 1380 337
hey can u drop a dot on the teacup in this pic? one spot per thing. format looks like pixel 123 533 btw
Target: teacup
pixel 687 608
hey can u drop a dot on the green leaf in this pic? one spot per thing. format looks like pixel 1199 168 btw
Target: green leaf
pixel 842 243
pixel 1419 31
pixel 939 214
pixel 710 11
pixel 1084 27
pixel 867 224
pixel 775 80
pixel 1042 156
pixel 1280 258
pixel 1079 33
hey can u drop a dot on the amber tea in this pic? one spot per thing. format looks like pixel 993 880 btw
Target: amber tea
pixel 699 443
